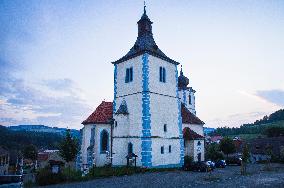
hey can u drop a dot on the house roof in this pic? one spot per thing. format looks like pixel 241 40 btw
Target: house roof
pixel 216 138
pixel 102 114
pixel 189 134
pixel 188 117
pixel 145 42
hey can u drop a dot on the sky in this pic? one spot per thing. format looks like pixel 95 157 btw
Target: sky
pixel 55 56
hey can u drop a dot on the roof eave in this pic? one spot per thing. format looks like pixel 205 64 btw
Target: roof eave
pixel 142 52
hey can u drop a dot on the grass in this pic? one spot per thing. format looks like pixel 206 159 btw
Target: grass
pixel 46 178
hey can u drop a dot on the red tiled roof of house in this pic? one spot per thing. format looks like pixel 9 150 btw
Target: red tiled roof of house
pixel 189 134
pixel 188 117
pixel 102 114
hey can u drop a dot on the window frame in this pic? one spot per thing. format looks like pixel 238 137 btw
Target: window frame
pixel 162 74
pixel 103 133
pixel 165 128
pixel 162 150
pixel 129 75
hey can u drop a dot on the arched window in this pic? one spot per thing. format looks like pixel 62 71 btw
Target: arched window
pixel 104 141
pixel 170 149
pixel 130 147
pixel 198 143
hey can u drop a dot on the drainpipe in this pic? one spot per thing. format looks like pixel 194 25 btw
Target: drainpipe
pixel 111 139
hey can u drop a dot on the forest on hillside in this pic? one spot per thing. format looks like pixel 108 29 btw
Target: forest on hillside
pixel 17 140
pixel 275 119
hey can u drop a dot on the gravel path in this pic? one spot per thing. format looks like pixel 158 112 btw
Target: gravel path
pixel 228 177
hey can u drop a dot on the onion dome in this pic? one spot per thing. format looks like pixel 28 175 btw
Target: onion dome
pixel 183 81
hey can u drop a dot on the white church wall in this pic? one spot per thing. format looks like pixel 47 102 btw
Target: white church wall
pixel 168 159
pixel 164 110
pixel 130 87
pixel 86 141
pixel 167 88
pixel 100 158
pixel 130 124
pixel 120 150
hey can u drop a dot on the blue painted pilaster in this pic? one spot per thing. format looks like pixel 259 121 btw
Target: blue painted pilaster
pixel 146 145
pixel 179 123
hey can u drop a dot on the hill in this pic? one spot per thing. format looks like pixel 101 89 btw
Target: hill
pixel 17 140
pixel 253 130
pixel 44 129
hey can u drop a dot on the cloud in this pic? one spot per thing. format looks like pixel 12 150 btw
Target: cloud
pixel 236 120
pixel 275 96
pixel 59 84
pixel 54 103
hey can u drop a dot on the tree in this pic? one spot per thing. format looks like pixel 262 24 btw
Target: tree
pixel 213 152
pixel 68 148
pixel 30 152
pixel 227 146
pixel 245 159
pixel 274 131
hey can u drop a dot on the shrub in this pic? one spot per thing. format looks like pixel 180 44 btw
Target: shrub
pixel 46 177
pixel 188 160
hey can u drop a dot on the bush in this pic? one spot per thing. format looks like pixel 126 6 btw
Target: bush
pixel 188 160
pixel 46 177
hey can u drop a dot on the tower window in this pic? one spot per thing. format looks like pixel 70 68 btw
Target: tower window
pixel 165 127
pixel 129 75
pixel 104 141
pixel 162 74
pixel 162 150
pixel 189 99
pixel 170 149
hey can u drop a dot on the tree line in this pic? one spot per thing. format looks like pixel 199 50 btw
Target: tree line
pixel 261 126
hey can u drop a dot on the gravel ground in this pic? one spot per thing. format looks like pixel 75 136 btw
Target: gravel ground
pixel 228 177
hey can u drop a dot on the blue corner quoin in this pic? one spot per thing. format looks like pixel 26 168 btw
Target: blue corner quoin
pixel 179 123
pixel 146 151
pixel 115 88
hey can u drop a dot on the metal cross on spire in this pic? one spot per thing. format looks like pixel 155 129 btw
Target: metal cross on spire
pixel 144 7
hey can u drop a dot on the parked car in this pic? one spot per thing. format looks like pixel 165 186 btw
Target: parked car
pixel 211 164
pixel 220 164
pixel 234 161
pixel 200 167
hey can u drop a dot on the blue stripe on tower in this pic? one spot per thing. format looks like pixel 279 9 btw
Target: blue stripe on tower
pixel 115 88
pixel 184 97
pixel 146 145
pixel 179 123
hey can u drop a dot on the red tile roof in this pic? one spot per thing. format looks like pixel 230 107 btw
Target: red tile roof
pixel 189 134
pixel 188 117
pixel 102 114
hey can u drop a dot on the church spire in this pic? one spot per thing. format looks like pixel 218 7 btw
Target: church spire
pixel 144 24
pixel 145 41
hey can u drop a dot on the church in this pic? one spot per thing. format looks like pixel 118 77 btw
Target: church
pixel 152 120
